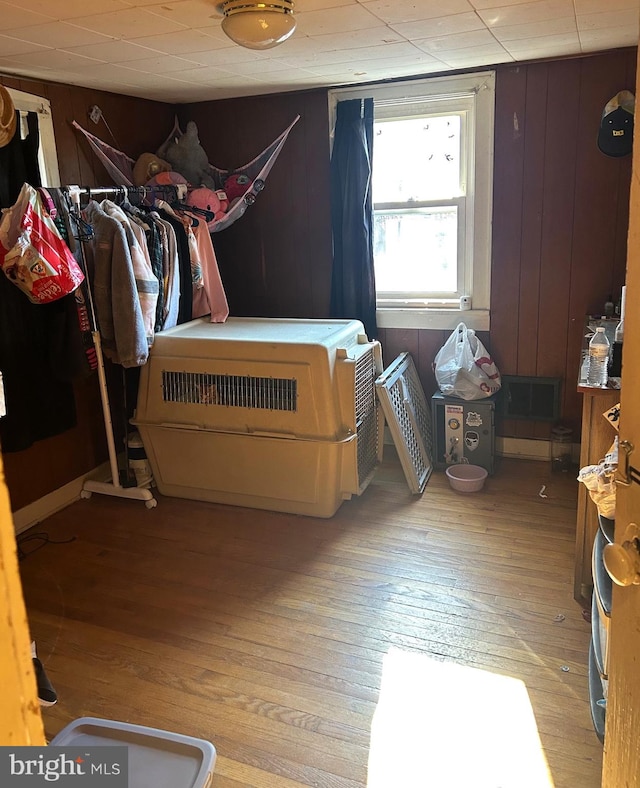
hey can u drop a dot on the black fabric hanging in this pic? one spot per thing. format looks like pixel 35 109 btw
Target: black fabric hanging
pixel 353 289
pixel 19 161
pixel 33 337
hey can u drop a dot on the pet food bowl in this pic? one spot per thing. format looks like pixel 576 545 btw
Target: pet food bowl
pixel 466 478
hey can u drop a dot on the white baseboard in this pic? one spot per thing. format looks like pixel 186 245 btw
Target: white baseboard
pixel 530 449
pixel 520 448
pixel 49 504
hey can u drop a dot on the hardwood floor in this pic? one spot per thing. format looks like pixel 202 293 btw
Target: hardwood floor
pixel 265 632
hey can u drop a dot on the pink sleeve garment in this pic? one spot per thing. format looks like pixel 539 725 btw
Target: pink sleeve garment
pixel 211 298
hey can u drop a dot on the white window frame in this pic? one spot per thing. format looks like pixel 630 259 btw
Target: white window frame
pixel 474 96
pixel 47 152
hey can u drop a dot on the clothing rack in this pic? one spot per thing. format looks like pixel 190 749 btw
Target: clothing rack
pixel 113 487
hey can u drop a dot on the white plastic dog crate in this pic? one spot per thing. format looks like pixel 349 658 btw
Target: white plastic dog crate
pixel 274 414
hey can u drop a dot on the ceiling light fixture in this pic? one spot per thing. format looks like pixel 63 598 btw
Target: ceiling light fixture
pixel 258 25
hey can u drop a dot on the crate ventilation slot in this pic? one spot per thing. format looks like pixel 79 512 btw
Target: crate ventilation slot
pixel 239 391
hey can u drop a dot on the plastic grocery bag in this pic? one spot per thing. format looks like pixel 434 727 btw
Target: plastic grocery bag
pixel 33 254
pixel 600 482
pixel 464 368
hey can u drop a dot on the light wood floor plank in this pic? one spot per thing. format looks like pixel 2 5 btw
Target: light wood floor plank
pixel 265 632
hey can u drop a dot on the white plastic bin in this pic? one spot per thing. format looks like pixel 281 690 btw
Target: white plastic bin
pixel 157 758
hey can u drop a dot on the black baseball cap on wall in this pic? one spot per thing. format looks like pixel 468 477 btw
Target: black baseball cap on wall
pixel 615 137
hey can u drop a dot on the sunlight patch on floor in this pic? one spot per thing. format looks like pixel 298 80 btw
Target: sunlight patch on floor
pixel 442 725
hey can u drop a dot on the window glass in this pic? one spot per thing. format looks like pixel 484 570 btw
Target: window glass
pixel 416 159
pixel 416 250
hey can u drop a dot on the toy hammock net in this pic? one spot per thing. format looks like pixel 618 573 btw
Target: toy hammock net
pixel 120 167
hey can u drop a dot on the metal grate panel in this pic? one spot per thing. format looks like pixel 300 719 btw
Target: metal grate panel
pixel 366 416
pixel 239 391
pixel 409 418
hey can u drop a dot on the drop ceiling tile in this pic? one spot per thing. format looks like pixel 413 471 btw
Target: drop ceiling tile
pixel 67 9
pixel 526 13
pixel 357 39
pixel 595 6
pixel 355 56
pixel 319 5
pixel 58 59
pixel 397 11
pixel 439 26
pixel 459 41
pixel 13 16
pixel 130 23
pixel 61 34
pixel 162 64
pixel 15 46
pixel 255 69
pixel 535 29
pixel 224 57
pixel 396 66
pixel 467 58
pixel 607 38
pixel 10 66
pixel 602 21
pixel 190 13
pixel 398 50
pixel 570 40
pixel 184 41
pixel 337 20
pixel 537 48
pixel 483 4
pixel 206 74
pixel 114 51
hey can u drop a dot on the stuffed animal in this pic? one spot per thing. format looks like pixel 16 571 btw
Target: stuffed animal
pixel 236 185
pixel 187 156
pixel 148 166
pixel 167 179
pixel 216 202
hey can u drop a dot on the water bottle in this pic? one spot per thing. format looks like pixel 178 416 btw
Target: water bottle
pixel 598 358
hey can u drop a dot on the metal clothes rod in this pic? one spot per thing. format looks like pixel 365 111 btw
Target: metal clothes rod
pixel 113 487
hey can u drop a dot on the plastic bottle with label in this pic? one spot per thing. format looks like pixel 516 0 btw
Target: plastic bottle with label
pixel 598 359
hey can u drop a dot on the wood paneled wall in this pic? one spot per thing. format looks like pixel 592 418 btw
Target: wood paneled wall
pixel 276 261
pixel 559 226
pixel 138 126
pixel 559 218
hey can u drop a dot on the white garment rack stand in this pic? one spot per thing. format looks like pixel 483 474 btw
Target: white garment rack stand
pixel 90 486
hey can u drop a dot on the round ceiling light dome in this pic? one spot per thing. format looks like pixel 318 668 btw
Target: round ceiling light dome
pixel 258 25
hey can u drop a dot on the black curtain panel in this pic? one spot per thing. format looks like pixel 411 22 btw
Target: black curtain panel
pixel 353 289
pixel 19 161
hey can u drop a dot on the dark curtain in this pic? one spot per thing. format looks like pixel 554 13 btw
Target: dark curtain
pixel 19 162
pixel 33 348
pixel 353 288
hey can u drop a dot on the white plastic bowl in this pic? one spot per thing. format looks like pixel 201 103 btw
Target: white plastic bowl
pixel 466 478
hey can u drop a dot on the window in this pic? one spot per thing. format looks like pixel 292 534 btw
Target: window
pixel 47 156
pixel 432 194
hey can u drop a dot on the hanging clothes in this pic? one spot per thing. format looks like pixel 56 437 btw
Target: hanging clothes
pixel 185 308
pixel 211 297
pixel 117 304
pixel 155 254
pixel 147 284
